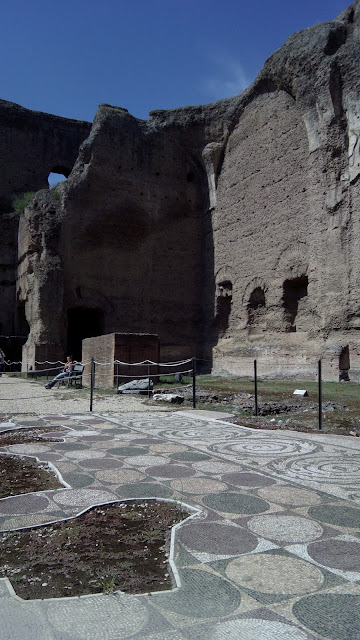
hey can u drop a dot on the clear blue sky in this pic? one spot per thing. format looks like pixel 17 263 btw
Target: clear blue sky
pixel 67 57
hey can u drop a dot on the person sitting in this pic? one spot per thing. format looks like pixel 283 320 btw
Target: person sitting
pixel 68 369
pixel 2 361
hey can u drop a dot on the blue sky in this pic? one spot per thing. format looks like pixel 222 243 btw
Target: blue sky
pixel 68 57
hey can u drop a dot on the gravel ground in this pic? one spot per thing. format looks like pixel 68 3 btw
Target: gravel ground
pixel 30 397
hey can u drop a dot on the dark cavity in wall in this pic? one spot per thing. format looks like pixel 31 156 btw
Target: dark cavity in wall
pixel 223 306
pixel 256 306
pixel 293 291
pixel 82 323
pixel 344 363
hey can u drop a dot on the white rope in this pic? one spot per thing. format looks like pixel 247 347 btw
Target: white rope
pixel 48 362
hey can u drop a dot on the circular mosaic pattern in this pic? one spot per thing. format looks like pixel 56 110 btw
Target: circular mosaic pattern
pixel 71 446
pixel 198 485
pixel 334 616
pixel 27 503
pixel 221 597
pixel 337 554
pixel 146 461
pixel 290 495
pixel 144 490
pixel 77 480
pixel 28 448
pixel 114 429
pixel 189 456
pixel 217 539
pixel 95 438
pixel 340 516
pixel 285 528
pixel 101 463
pixel 215 467
pixel 167 448
pixel 81 497
pixel 29 520
pixel 86 455
pixel 110 618
pixel 196 433
pixel 266 446
pixel 149 441
pixel 248 479
pixel 130 451
pixel 170 471
pixel 276 574
pixel 330 469
pixel 119 476
pixel 255 630
pixel 236 503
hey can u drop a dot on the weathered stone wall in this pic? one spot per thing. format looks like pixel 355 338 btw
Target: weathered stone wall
pixel 230 229
pixel 32 145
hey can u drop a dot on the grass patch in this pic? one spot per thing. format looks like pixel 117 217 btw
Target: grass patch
pixel 21 201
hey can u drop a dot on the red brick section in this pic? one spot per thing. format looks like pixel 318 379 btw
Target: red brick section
pixel 126 347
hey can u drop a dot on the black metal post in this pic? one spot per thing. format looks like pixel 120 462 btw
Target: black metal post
pixel 148 379
pixel 320 394
pixel 194 382
pixel 256 389
pixel 92 382
pixel 117 375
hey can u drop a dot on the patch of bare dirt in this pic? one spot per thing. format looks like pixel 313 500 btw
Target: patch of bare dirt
pixel 34 434
pixel 119 546
pixel 23 475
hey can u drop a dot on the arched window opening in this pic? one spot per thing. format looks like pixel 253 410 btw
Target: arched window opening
pixel 82 323
pixel 56 175
pixel 344 363
pixel 256 307
pixel 293 291
pixel 223 306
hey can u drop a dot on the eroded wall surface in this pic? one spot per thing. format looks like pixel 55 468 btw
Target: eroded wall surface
pixel 230 229
pixel 32 144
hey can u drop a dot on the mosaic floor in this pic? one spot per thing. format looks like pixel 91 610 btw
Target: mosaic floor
pixel 273 554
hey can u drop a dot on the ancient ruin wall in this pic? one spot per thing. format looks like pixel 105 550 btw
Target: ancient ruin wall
pixel 32 145
pixel 230 229
pixel 287 205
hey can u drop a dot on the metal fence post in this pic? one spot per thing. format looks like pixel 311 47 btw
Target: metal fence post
pixel 320 394
pixel 148 371
pixel 256 389
pixel 92 382
pixel 194 381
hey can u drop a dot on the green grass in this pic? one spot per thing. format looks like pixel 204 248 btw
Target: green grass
pixel 347 393
pixel 21 201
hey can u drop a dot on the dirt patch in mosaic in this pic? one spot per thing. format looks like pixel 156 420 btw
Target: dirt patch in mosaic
pixel 36 434
pixel 25 475
pixel 122 546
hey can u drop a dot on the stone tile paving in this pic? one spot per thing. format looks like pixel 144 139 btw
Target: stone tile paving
pixel 273 554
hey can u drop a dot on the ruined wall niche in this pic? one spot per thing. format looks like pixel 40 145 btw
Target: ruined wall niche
pixel 294 291
pixel 344 363
pixel 223 305
pixel 256 308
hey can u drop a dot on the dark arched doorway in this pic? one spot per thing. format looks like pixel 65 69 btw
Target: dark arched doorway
pixel 82 323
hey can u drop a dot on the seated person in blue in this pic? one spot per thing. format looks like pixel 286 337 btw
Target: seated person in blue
pixel 68 369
